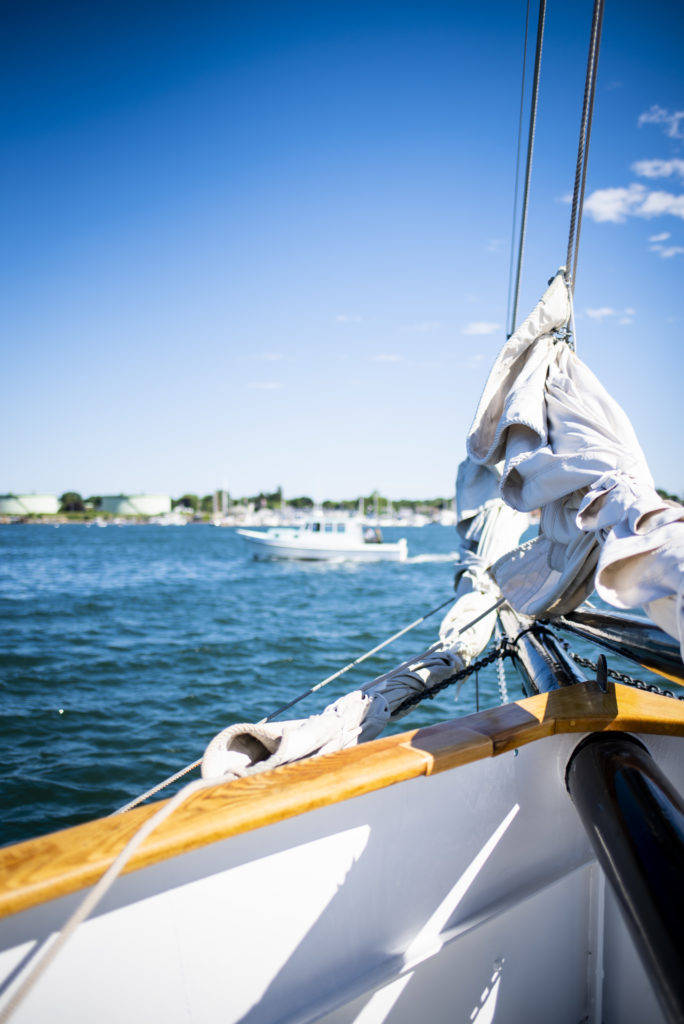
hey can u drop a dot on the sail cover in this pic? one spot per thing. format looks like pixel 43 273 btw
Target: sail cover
pixel 566 447
pixel 246 748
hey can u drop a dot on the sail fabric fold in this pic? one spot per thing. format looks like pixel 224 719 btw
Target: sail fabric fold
pixel 642 558
pixel 565 446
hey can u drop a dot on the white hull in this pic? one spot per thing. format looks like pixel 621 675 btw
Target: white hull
pixel 471 894
pixel 279 545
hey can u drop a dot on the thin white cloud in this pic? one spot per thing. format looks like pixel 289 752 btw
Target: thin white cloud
pixel 265 385
pixel 658 203
pixel 347 318
pixel 625 316
pixel 496 245
pixel 269 357
pixel 662 237
pixel 666 252
pixel 424 326
pixel 672 122
pixel 616 204
pixel 600 314
pixel 481 327
pixel 658 168
pixel 387 357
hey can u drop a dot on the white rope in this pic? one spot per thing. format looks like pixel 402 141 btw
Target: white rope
pixel 95 895
pixel 501 671
pixel 573 334
pixel 156 789
pixel 363 657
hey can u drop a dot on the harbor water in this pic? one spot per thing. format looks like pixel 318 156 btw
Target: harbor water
pixel 125 649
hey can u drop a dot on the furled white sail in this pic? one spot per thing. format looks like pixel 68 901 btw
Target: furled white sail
pixel 569 449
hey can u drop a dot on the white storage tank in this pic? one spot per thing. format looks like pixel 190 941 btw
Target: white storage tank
pixel 136 504
pixel 28 504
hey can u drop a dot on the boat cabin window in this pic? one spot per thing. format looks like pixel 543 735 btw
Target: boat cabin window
pixel 316 527
pixel 328 527
pixel 341 527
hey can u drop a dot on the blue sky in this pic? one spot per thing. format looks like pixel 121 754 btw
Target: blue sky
pixel 258 244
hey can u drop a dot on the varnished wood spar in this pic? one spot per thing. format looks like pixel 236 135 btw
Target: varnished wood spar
pixel 50 866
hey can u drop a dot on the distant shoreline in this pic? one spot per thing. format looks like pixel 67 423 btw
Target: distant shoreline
pixel 237 516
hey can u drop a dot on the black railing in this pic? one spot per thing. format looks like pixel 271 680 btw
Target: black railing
pixel 635 821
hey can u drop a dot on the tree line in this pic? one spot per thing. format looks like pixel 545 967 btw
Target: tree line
pixel 72 501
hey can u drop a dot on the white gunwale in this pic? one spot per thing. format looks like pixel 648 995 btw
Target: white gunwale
pixel 54 865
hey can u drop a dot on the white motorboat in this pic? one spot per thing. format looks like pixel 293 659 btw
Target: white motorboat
pixel 325 539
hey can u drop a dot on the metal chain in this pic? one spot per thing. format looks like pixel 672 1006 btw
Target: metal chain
pixel 624 677
pixel 504 649
pixel 619 677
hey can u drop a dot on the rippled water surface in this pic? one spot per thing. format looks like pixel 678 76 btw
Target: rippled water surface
pixel 125 649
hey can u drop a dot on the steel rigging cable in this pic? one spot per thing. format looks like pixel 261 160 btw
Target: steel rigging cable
pixel 583 146
pixel 530 149
pixel 582 151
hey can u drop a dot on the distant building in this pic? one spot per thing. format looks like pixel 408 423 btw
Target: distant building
pixel 28 504
pixel 136 504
